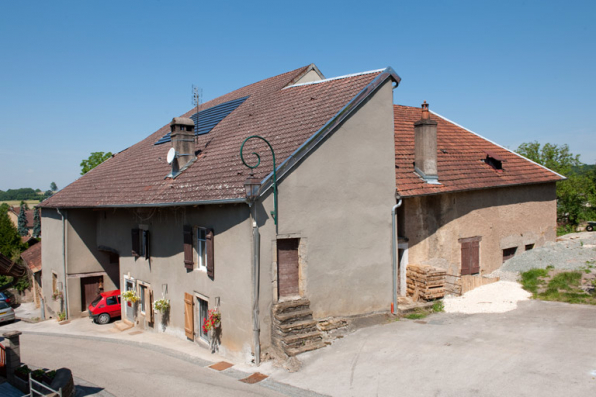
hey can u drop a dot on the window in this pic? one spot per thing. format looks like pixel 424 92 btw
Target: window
pixel 201 246
pixel 111 300
pixel 529 247
pixel 143 296
pixel 470 255
pixel 140 242
pixel 203 316
pixel 509 253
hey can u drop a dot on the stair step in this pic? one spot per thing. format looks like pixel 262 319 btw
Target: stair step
pixel 295 315
pixel 302 349
pixel 291 339
pixel 288 306
pixel 286 328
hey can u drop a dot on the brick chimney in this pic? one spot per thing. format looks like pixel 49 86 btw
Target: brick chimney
pixel 183 141
pixel 425 145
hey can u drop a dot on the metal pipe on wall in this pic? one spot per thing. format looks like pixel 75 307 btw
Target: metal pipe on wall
pixel 394 252
pixel 65 288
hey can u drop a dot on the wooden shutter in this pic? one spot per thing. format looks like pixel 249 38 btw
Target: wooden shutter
pixel 475 257
pixel 209 244
pixel 146 243
pixel 149 310
pixel 189 324
pixel 465 259
pixel 188 254
pixel 470 257
pixel 135 242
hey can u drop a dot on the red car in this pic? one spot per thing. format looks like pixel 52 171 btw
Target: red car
pixel 105 307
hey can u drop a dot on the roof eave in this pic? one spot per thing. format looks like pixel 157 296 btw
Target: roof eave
pixel 153 205
pixel 311 143
pixel 405 195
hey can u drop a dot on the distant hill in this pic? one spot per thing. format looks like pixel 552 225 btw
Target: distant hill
pixel 584 169
pixel 25 193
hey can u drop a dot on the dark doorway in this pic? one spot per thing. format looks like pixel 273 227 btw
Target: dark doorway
pixel 287 267
pixel 90 288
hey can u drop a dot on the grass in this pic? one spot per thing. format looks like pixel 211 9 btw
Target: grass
pixel 16 203
pixel 560 287
pixel 419 313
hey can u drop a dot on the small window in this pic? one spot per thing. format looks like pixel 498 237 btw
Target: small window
pixel 203 316
pixel 143 296
pixel 509 253
pixel 111 300
pixel 529 247
pixel 201 246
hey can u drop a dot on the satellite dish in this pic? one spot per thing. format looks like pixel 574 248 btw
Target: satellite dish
pixel 171 155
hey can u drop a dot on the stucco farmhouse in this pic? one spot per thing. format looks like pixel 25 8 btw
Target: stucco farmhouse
pixel 363 187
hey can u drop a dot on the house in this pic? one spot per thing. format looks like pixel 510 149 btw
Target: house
pixel 13 214
pixel 170 216
pixel 32 259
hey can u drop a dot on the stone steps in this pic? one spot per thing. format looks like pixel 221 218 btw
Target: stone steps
pixel 294 329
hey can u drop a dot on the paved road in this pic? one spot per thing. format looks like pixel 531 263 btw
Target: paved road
pixel 540 349
pixel 124 370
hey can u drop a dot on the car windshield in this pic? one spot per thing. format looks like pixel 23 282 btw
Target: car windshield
pixel 3 305
pixel 96 301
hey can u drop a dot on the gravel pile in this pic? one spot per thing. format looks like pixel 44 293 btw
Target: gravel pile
pixel 498 297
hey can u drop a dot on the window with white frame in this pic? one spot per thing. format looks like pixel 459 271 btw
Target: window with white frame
pixel 143 296
pixel 201 247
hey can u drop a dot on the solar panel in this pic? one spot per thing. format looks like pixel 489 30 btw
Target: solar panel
pixel 209 118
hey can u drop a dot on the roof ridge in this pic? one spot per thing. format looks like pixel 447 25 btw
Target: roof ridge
pixel 336 78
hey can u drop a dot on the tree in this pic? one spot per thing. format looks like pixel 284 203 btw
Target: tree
pixel 53 187
pixel 36 224
pixel 576 196
pixel 22 221
pixel 9 236
pixel 95 159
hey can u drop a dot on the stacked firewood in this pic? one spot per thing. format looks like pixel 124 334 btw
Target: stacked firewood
pixel 426 282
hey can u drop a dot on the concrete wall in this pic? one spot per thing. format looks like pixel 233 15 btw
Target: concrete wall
pixel 309 77
pixel 503 217
pixel 232 281
pixel 338 202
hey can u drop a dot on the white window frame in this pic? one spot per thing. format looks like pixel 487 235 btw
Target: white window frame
pixel 200 247
pixel 143 295
pixel 199 297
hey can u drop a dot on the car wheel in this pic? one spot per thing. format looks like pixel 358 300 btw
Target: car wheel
pixel 590 228
pixel 103 318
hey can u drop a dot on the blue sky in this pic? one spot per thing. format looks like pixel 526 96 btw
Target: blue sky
pixel 80 76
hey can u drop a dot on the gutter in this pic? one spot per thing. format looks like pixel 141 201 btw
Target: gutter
pixel 287 165
pixel 64 260
pixel 183 204
pixel 394 254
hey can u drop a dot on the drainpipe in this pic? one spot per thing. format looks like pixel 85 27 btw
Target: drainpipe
pixel 256 239
pixel 64 259
pixel 394 252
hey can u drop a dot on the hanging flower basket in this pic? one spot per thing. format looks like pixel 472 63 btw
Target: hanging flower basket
pixel 130 296
pixel 57 295
pixel 213 321
pixel 161 306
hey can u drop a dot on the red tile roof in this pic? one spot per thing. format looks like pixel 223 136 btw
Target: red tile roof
pixel 459 159
pixel 29 214
pixel 286 117
pixel 32 257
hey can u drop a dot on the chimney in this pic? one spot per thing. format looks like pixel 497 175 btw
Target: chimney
pixel 183 141
pixel 425 145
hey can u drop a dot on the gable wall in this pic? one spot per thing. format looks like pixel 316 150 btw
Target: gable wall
pixel 503 217
pixel 338 202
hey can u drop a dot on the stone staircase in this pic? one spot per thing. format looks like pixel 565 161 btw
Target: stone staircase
pixel 294 330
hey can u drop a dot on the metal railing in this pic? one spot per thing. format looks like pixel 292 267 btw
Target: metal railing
pixel 33 392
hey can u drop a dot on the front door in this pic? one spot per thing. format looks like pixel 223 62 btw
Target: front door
pixel 89 290
pixel 287 268
pixel 130 314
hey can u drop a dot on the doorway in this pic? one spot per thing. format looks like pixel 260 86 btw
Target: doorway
pixel 90 288
pixel 129 309
pixel 288 268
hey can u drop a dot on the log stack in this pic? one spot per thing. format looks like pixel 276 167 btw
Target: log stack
pixel 426 282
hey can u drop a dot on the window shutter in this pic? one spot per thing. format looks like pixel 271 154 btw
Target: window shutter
pixel 135 242
pixel 146 243
pixel 150 308
pixel 475 257
pixel 465 259
pixel 210 256
pixel 188 254
pixel 189 324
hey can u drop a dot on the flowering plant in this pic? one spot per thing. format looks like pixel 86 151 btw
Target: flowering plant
pixel 57 295
pixel 130 296
pixel 213 321
pixel 161 305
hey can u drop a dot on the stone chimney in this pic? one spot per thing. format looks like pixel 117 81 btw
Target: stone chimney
pixel 425 145
pixel 183 141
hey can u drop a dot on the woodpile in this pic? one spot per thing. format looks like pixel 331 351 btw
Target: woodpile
pixel 425 282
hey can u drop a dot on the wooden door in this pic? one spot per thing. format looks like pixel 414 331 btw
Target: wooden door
pixel 287 267
pixel 89 290
pixel 470 257
pixel 189 325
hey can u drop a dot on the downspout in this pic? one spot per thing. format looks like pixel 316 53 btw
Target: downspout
pixel 64 259
pixel 256 329
pixel 394 252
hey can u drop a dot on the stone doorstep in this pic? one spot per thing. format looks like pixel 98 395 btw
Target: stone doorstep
pixel 411 307
pixel 289 305
pixel 123 325
pixel 302 349
pixel 284 317
pixel 299 337
pixel 286 328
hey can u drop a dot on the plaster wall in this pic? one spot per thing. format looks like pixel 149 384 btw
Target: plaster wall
pixel 504 218
pixel 309 77
pixel 338 201
pixel 232 250
pixel 51 257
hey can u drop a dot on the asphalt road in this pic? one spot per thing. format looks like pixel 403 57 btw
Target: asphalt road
pixel 124 370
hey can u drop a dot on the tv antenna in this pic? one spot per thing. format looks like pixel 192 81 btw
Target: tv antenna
pixel 197 94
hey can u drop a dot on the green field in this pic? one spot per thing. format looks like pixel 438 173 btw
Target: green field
pixel 16 203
